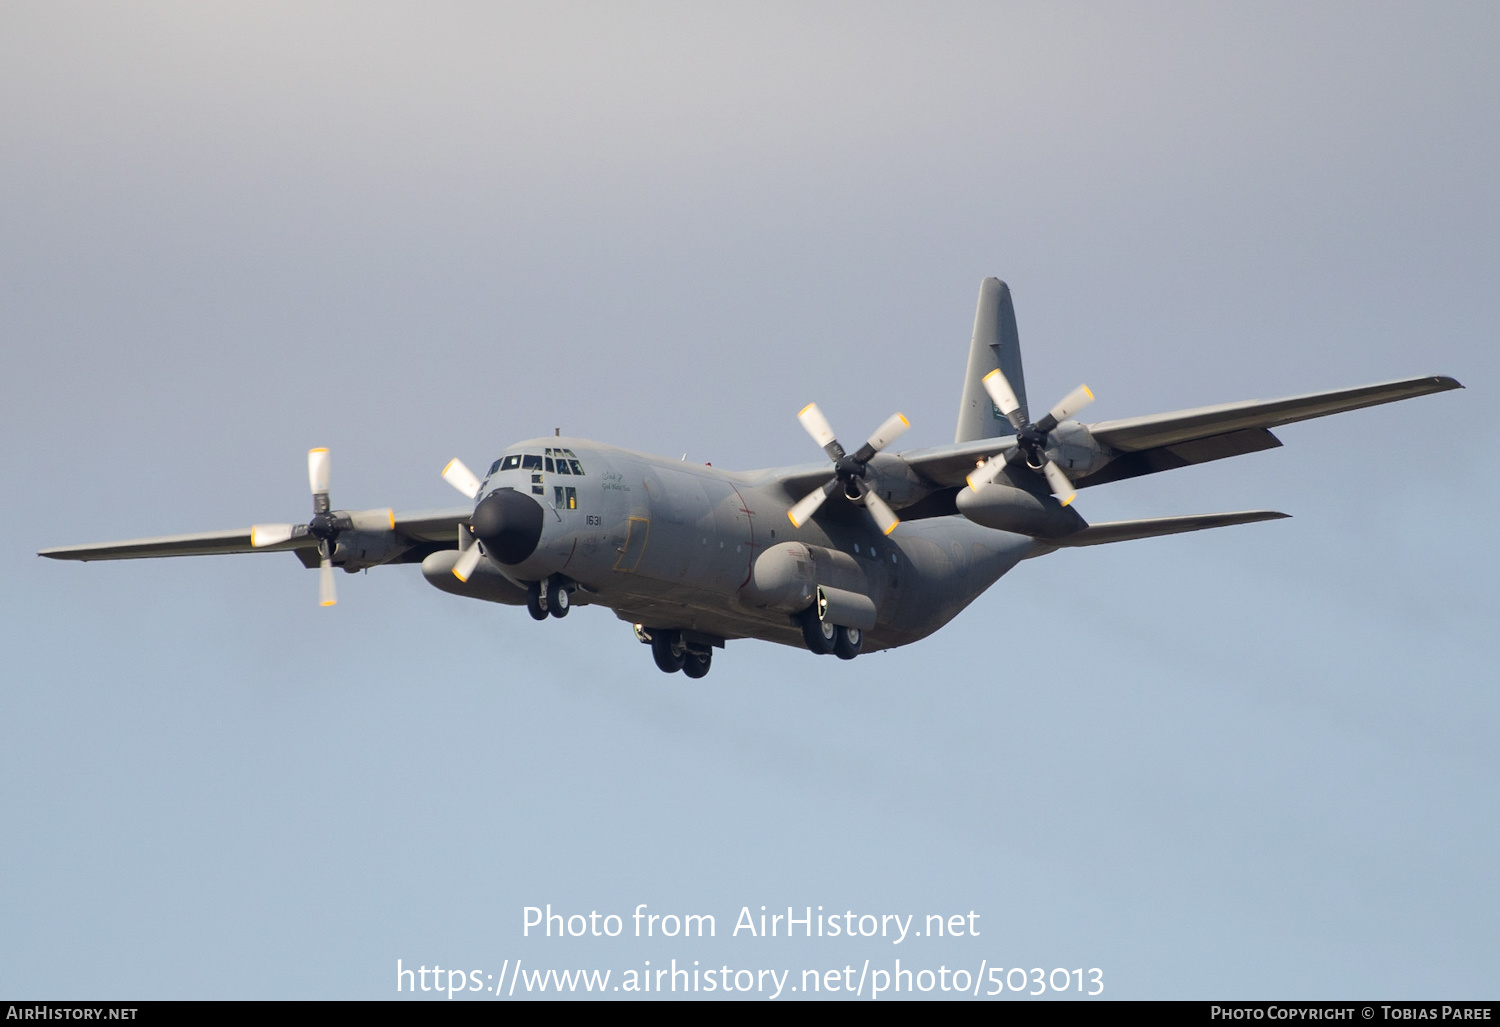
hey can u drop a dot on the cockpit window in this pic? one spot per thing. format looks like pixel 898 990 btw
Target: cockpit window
pixel 549 463
pixel 531 462
pixel 577 468
pixel 510 463
pixel 493 468
pixel 562 466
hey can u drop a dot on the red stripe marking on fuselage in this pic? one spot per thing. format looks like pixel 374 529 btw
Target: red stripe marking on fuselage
pixel 750 521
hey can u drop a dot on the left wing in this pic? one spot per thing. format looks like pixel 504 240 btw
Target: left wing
pixel 1160 442
pixel 1134 434
pixel 421 529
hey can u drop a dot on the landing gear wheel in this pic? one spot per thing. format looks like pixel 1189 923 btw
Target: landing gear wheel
pixel 818 635
pixel 558 600
pixel 666 651
pixel 846 642
pixel 536 603
pixel 695 665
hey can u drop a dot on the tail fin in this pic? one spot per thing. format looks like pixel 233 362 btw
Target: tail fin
pixel 996 344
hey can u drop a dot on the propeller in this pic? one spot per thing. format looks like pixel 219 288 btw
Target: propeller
pixel 325 526
pixel 463 479
pixel 1031 438
pixel 848 469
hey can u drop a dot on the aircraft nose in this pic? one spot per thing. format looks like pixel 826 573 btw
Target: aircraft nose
pixel 509 524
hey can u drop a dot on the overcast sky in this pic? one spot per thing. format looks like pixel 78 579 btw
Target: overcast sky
pixel 1255 762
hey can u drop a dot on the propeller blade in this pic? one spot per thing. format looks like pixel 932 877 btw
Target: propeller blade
pixel 317 478
pixel 464 568
pixel 326 591
pixel 269 534
pixel 816 424
pixel 461 478
pixel 1062 488
pixel 990 469
pixel 888 432
pixel 885 518
pixel 808 505
pixel 1004 397
pixel 1071 404
pixel 373 520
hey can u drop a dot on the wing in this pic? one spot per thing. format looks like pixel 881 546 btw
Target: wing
pixel 1160 442
pixel 950 465
pixel 425 529
pixel 1134 434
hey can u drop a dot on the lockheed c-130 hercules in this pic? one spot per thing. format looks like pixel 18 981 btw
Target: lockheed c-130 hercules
pixel 810 556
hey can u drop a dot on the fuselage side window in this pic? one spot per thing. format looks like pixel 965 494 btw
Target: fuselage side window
pixel 572 495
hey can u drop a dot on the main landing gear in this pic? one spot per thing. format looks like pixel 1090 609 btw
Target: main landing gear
pixel 550 596
pixel 824 638
pixel 672 653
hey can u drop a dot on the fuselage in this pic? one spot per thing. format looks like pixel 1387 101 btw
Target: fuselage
pixel 668 544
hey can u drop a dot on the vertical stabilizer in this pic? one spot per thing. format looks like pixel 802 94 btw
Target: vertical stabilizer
pixel 996 344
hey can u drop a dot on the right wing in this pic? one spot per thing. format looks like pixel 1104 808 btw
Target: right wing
pixel 423 529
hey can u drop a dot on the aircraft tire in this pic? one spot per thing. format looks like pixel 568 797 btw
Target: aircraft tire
pixel 536 603
pixel 695 665
pixel 664 650
pixel 558 600
pixel 846 642
pixel 818 636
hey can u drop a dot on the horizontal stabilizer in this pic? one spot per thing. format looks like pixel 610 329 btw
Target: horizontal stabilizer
pixel 1150 527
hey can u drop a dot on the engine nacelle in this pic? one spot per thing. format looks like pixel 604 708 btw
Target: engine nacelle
pixel 485 583
pixel 1011 509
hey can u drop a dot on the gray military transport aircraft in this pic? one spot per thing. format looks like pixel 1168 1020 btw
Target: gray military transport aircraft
pixel 805 556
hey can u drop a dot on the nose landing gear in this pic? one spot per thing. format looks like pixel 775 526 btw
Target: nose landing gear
pixel 549 596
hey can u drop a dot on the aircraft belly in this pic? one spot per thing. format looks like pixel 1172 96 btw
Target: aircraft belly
pixel 950 562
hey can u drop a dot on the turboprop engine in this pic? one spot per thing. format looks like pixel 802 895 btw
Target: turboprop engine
pixel 1006 508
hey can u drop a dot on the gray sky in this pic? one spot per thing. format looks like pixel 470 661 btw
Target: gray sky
pixel 1256 762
